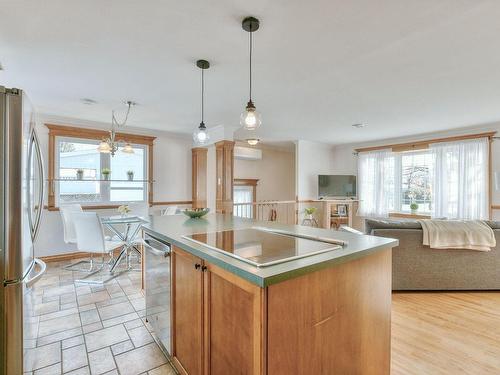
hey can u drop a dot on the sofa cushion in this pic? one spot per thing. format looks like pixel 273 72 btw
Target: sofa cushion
pixel 371 224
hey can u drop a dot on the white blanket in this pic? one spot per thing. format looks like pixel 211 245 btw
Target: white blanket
pixel 458 234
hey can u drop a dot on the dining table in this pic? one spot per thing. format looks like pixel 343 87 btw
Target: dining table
pixel 126 228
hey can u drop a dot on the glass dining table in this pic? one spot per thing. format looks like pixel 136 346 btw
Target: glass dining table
pixel 126 229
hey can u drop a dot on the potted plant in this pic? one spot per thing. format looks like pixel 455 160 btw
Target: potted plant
pixel 310 212
pixel 130 175
pixel 414 207
pixel 106 172
pixel 79 174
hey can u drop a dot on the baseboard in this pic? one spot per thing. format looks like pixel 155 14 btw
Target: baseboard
pixel 71 256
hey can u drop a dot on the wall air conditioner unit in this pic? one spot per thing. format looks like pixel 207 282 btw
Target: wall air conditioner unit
pixel 247 153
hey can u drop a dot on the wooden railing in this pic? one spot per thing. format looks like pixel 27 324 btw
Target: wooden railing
pixel 284 212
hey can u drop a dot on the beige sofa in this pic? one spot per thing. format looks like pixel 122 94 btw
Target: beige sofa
pixel 417 267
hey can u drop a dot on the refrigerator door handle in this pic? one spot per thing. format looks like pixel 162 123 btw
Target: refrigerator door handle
pixel 39 207
pixel 31 280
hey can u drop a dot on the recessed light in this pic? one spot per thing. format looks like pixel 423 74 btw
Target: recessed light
pixel 88 101
pixel 359 126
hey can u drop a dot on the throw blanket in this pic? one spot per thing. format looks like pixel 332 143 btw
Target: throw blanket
pixel 458 234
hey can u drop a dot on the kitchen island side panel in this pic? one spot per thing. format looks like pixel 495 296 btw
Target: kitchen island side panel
pixel 333 321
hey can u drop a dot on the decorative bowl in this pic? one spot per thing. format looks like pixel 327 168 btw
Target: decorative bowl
pixel 196 213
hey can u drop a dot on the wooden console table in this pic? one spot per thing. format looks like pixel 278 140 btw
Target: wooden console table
pixel 332 218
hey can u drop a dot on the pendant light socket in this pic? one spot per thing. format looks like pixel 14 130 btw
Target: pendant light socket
pixel 203 64
pixel 250 24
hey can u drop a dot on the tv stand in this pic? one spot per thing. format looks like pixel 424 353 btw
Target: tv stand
pixel 338 212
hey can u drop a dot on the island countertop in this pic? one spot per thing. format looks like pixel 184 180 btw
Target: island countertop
pixel 172 228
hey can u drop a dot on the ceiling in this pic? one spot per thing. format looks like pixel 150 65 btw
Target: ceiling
pixel 399 66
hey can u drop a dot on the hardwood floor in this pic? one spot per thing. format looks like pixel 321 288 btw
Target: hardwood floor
pixel 446 333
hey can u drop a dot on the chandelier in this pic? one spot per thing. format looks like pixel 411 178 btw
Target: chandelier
pixel 110 145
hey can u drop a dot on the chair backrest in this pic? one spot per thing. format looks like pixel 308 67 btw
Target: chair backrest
pixel 170 210
pixel 89 232
pixel 139 209
pixel 67 211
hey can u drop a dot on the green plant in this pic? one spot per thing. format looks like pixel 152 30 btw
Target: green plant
pixel 79 170
pixel 130 173
pixel 414 206
pixel 310 210
pixel 106 171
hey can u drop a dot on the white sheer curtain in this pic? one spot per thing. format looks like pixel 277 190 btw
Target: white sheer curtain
pixel 376 183
pixel 460 179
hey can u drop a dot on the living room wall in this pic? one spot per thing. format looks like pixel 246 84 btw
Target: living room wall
pixel 343 160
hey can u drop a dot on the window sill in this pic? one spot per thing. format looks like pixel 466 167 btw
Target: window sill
pixel 408 215
pixel 89 207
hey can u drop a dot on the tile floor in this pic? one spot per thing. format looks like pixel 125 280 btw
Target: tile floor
pixel 79 329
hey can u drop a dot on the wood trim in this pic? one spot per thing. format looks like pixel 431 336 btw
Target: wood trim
pixel 246 181
pixel 171 203
pixel 96 134
pixel 71 256
pixel 495 206
pixel 87 133
pixel 419 145
pixel 199 164
pixel 224 171
pixel 93 207
pixel 408 216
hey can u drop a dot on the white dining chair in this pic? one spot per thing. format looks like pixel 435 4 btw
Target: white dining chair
pixel 69 233
pixel 66 210
pixel 90 238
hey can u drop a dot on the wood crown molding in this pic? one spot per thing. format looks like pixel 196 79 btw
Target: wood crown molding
pixel 87 133
pixel 225 144
pixel 421 145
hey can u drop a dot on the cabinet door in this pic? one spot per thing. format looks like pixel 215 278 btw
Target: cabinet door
pixel 234 324
pixel 187 295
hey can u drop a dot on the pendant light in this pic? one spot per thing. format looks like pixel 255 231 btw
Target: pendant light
pixel 250 119
pixel 200 135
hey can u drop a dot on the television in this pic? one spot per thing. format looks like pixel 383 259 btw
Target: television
pixel 336 186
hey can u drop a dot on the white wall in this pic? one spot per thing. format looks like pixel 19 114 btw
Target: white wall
pixel 343 161
pixel 171 168
pixel 312 159
pixel 275 172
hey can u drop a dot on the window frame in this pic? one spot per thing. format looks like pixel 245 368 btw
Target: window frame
pixel 76 133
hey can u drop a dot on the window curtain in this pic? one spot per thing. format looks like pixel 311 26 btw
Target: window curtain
pixel 376 183
pixel 460 179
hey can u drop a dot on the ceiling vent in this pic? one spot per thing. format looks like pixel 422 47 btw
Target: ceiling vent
pixel 247 153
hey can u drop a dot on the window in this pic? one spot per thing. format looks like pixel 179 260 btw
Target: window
pixel 75 169
pixel 447 179
pixel 75 155
pixel 244 197
pixel 416 173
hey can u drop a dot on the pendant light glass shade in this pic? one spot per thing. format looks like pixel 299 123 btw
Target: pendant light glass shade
pixel 250 118
pixel 128 149
pixel 200 135
pixel 104 147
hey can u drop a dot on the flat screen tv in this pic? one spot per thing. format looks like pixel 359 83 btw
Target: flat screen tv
pixel 336 186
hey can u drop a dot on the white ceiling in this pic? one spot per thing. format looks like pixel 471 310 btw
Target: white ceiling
pixel 400 66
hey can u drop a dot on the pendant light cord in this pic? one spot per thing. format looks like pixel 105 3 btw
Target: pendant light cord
pixel 202 94
pixel 251 32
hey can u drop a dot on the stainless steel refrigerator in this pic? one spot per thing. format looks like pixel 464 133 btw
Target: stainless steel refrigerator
pixel 21 206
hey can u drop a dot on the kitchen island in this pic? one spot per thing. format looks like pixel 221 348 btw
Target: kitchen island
pixel 327 313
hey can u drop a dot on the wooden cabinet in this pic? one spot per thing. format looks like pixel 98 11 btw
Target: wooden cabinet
pixel 335 320
pixel 187 312
pixel 217 319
